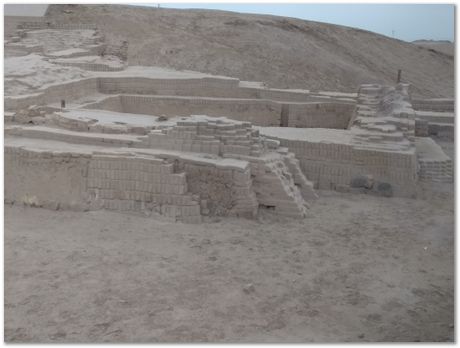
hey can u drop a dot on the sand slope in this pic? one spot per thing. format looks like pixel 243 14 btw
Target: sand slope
pixel 446 47
pixel 283 52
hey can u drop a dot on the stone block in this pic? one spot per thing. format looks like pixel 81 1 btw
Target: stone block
pixel 383 189
pixel 364 181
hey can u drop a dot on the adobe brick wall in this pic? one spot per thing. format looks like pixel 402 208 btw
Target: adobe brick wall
pixel 175 97
pixel 439 104
pixel 178 188
pixel 47 179
pixel 329 165
pixel 321 115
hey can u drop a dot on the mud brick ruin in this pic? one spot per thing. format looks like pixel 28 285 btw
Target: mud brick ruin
pixel 86 131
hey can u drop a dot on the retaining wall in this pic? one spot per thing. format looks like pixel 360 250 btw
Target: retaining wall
pixel 175 187
pixel 11 23
pixel 141 184
pixel 184 97
pixel 437 104
pixel 46 179
pixel 331 165
pixel 54 94
pixel 258 112
pixel 93 66
pixel 222 191
pixel 186 87
pixel 321 115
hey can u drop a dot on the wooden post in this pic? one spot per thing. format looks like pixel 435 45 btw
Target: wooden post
pixel 62 104
pixel 399 76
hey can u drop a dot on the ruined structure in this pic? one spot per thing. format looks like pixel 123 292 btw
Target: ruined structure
pixel 84 130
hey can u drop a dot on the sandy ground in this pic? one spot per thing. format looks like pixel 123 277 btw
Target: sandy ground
pixel 360 269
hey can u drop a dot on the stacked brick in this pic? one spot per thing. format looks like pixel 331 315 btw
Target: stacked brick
pixel 258 112
pixel 49 179
pixel 321 115
pixel 435 170
pixel 43 132
pixel 222 191
pixel 275 188
pixel 91 125
pixel 434 164
pixel 206 86
pixel 54 94
pixel 436 104
pixel 142 184
pixel 41 25
pixel 92 66
pixel 330 165
pixel 277 180
pixel 300 180
pixel 208 135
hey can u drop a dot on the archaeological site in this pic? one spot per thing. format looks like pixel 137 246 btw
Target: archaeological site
pixel 210 176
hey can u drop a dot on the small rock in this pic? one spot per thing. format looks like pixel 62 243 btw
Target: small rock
pixel 385 189
pixel 249 288
pixel 361 336
pixel 365 181
pixel 342 188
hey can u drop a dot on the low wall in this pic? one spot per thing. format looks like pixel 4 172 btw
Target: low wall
pixel 184 97
pixel 434 164
pixel 274 94
pixel 141 184
pixel 258 112
pixel 321 115
pixel 44 23
pixel 93 66
pixel 11 23
pixel 54 94
pixel 222 191
pixel 437 104
pixel 331 165
pixel 209 87
pixel 88 182
pixel 435 171
pixel 46 179
pixel 442 130
pixel 177 188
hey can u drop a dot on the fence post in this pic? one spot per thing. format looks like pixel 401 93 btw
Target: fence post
pixel 399 75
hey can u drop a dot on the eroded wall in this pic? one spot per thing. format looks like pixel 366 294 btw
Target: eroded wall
pixel 180 189
pixel 183 97
pixel 331 165
pixel 321 115
pixel 46 179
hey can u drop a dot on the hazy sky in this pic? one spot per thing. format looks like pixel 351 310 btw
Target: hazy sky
pixel 407 21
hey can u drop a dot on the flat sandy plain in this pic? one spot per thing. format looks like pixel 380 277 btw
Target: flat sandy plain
pixel 361 268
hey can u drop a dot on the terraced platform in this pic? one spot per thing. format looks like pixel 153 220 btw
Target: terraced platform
pixel 186 144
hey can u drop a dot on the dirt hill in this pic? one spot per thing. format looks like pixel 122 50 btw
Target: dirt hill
pixel 444 46
pixel 283 52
